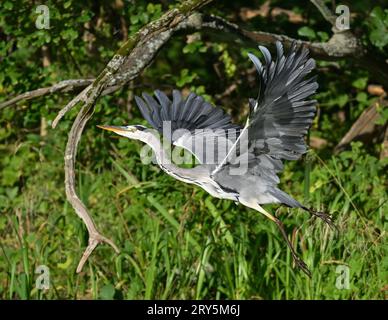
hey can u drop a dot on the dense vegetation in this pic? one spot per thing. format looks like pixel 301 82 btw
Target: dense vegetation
pixel 176 241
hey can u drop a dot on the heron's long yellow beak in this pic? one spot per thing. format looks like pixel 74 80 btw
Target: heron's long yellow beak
pixel 115 129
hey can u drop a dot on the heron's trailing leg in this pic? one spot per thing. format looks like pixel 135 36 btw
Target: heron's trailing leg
pixel 298 261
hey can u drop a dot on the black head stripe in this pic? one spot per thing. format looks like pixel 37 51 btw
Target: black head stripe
pixel 140 127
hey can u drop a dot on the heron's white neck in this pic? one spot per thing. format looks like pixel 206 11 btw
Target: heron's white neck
pixel 199 175
pixel 163 158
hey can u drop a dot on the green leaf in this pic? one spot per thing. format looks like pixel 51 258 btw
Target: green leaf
pixel 324 36
pixel 194 46
pixel 107 292
pixel 10 176
pixel 379 38
pixel 362 97
pixel 340 100
pixel 69 34
pixel 67 4
pixel 47 37
pixel 144 17
pixel 65 265
pixel 190 48
pixel 151 8
pixel 360 83
pixel 377 15
pixel 185 78
pixel 383 119
pixel 230 67
pixel 378 24
pixel 307 32
pixel 8 5
pixel 134 19
pixel 12 192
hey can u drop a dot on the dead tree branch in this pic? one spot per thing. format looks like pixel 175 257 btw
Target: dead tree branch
pixel 63 86
pixel 365 127
pixel 136 53
pixel 336 48
pixel 326 12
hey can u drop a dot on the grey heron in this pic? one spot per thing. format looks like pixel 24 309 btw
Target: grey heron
pixel 279 119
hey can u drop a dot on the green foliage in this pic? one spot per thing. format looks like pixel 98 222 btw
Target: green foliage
pixel 383 115
pixel 186 77
pixel 195 46
pixel 177 241
pixel 307 32
pixel 378 23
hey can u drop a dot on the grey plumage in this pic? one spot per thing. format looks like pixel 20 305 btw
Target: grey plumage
pixel 279 118
pixel 190 113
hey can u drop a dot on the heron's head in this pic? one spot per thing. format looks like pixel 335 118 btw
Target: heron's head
pixel 136 132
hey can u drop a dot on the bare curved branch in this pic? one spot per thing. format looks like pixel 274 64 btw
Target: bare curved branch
pixel 63 86
pixel 339 46
pixel 326 12
pixel 136 53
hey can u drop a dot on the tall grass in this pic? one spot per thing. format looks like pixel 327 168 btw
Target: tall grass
pixel 177 242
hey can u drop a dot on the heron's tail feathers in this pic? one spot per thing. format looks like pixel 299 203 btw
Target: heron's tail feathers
pixel 285 199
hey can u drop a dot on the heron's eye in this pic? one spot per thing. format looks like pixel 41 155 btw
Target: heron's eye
pixel 139 127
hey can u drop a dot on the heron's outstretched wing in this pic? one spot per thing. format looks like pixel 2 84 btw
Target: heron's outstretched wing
pixel 281 115
pixel 189 120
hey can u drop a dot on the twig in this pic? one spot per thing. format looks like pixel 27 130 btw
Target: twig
pixel 326 12
pixel 63 86
pixel 80 97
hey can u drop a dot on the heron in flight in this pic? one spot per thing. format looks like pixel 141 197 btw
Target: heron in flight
pixel 274 131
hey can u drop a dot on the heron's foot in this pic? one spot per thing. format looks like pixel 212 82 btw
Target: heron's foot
pixel 325 217
pixel 301 264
